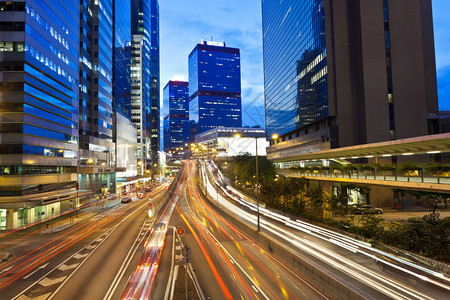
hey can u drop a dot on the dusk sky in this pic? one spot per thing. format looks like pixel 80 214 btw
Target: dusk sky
pixel 184 23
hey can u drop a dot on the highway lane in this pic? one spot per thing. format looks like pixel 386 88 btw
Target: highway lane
pixel 378 274
pixel 227 263
pixel 45 263
pixel 141 282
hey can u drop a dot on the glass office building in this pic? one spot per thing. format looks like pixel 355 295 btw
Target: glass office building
pixel 340 75
pixel 96 118
pixel 176 116
pixel 140 79
pixel 154 144
pixel 214 87
pixel 38 109
pixel 122 57
pixel 295 73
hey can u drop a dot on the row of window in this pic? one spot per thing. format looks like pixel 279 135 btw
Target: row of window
pixel 12 6
pixel 12 46
pixel 12 26
pixel 36 150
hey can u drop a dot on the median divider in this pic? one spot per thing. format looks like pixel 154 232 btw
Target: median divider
pixel 319 277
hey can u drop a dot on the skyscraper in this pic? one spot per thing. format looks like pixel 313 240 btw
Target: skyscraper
pixel 214 87
pixel 96 108
pixel 345 74
pixel 140 79
pixel 38 109
pixel 176 115
pixel 154 79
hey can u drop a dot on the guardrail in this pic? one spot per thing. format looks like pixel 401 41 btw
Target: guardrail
pixel 423 177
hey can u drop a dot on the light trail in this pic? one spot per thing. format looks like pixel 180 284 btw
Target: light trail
pixel 337 239
pixel 141 282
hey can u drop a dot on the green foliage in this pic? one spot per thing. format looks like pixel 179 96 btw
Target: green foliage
pixel 428 236
pixel 366 168
pixel 386 168
pixel 409 167
pixel 437 169
pixel 243 169
pixel 350 167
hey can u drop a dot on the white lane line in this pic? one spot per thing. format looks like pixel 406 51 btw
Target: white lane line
pixel 48 282
pixel 126 262
pixel 65 267
pixel 6 270
pixel 41 297
pixel 37 269
pixel 107 233
pixel 79 256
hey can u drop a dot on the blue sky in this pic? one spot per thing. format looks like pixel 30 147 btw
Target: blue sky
pixel 184 23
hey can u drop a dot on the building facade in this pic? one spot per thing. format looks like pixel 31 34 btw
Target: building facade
pixel 343 75
pixel 176 116
pixel 154 145
pixel 39 44
pixel 224 142
pixel 140 79
pixel 96 108
pixel 214 87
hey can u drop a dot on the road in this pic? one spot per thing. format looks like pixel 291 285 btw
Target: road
pixel 375 273
pixel 91 259
pixel 227 263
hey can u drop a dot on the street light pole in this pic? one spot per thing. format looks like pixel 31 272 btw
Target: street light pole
pixel 257 183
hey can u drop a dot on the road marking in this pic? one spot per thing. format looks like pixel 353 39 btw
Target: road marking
pixel 177 247
pixel 89 247
pixel 41 267
pixel 41 297
pixel 6 270
pixel 256 290
pixel 99 239
pixel 68 267
pixel 78 255
pixel 48 282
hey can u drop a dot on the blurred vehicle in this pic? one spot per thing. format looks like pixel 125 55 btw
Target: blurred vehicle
pixel 149 189
pixel 125 200
pixel 367 209
pixel 140 195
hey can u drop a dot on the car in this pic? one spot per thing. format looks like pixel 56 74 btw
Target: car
pixel 125 200
pixel 140 195
pixel 367 209
pixel 149 189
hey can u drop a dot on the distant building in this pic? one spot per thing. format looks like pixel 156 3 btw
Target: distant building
pixel 222 142
pixel 176 117
pixel 214 87
pixel 337 75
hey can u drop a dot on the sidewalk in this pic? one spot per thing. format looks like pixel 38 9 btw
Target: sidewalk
pixel 394 215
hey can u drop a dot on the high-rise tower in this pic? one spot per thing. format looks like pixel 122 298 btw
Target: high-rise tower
pixel 214 87
pixel 39 47
pixel 344 74
pixel 176 116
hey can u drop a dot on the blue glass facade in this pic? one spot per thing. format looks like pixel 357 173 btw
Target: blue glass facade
pixel 214 87
pixel 295 64
pixel 155 82
pixel 122 57
pixel 176 114
pixel 96 107
pixel 39 44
